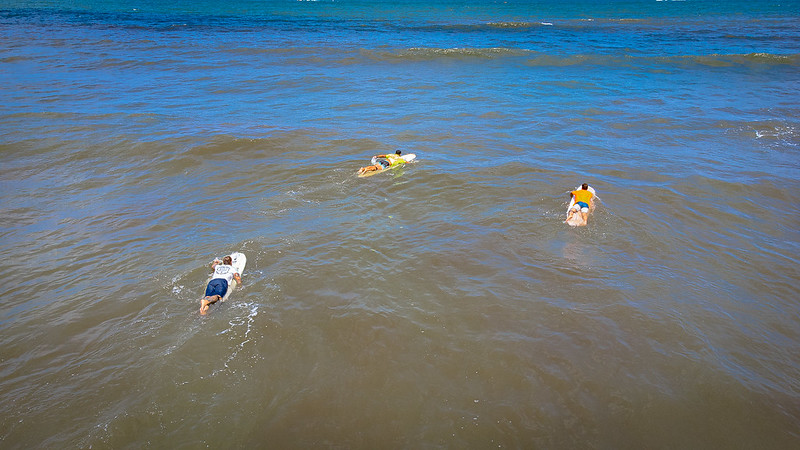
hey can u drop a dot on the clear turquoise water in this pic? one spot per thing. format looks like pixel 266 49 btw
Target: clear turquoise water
pixel 441 305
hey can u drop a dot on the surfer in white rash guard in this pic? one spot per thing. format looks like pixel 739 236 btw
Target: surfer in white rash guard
pixel 224 272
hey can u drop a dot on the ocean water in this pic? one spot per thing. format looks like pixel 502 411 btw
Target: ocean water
pixel 443 304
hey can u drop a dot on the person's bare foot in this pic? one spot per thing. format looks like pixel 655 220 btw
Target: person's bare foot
pixel 205 304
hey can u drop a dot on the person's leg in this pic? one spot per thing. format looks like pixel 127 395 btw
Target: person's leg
pixel 206 302
pixel 571 213
pixel 585 214
pixel 214 292
pixel 381 165
pixel 369 169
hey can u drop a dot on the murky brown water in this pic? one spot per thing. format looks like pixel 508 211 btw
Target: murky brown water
pixel 442 305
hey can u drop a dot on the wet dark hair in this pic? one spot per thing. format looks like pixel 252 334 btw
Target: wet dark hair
pixel 584 186
pixel 398 153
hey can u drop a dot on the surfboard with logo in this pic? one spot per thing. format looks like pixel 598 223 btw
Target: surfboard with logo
pixel 238 261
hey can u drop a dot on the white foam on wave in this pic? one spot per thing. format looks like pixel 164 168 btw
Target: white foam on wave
pixel 235 323
pixel 777 132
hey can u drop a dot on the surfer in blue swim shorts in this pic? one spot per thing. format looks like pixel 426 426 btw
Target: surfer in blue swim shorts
pixel 224 272
pixel 583 200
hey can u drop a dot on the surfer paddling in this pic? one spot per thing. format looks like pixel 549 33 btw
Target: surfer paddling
pixel 224 272
pixel 582 203
pixel 383 162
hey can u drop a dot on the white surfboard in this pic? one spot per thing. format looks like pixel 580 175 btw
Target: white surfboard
pixel 410 157
pixel 577 218
pixel 238 261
